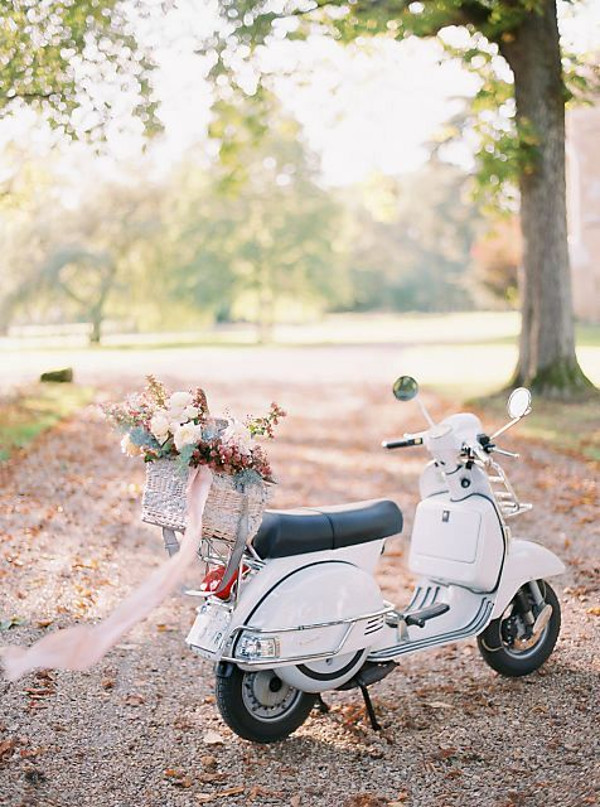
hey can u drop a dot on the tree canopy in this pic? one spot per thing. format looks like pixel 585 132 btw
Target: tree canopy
pixel 73 60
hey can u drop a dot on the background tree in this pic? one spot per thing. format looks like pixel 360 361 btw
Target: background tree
pixel 497 256
pixel 525 33
pixel 72 59
pixel 259 238
pixel 82 262
pixel 409 241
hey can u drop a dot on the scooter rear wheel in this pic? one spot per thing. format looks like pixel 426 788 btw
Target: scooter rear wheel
pixel 259 706
pixel 500 648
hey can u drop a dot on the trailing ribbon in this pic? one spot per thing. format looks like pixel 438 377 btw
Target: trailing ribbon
pixel 82 646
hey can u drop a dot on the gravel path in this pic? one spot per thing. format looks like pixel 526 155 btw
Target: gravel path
pixel 142 728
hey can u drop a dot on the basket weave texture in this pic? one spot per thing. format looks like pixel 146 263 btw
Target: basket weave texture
pixel 164 501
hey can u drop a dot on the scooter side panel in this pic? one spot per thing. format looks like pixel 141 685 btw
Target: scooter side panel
pixel 525 561
pixel 291 591
pixel 318 611
pixel 361 556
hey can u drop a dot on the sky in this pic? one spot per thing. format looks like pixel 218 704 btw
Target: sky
pixel 363 111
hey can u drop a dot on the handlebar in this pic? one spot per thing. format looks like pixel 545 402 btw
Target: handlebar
pixel 406 443
pixel 488 446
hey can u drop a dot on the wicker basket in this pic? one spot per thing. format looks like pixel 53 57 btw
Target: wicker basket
pixel 164 501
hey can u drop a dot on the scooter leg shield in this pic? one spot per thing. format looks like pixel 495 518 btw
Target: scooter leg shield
pixel 525 561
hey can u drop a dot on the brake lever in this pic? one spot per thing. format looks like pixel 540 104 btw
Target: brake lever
pixel 505 453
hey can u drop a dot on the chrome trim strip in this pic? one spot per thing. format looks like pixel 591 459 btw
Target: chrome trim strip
pixel 292 659
pixel 348 621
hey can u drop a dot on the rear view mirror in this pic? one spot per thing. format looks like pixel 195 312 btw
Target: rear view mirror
pixel 519 403
pixel 405 388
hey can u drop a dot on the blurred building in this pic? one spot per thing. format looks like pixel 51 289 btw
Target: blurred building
pixel 583 200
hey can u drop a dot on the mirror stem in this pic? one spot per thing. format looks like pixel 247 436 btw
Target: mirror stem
pixel 506 427
pixel 425 413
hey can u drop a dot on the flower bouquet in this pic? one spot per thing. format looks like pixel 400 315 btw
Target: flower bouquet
pixel 174 432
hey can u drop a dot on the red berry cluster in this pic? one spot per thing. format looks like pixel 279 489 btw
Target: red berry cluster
pixel 229 459
pixel 263 427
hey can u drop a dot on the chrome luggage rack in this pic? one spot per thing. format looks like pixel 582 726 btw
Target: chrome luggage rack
pixel 233 556
pixel 504 493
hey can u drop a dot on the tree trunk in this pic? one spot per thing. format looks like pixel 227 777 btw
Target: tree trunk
pixel 96 332
pixel 547 360
pixel 266 316
pixel 266 300
pixel 97 308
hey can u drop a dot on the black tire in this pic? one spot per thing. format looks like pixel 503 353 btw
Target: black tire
pixel 497 648
pixel 259 706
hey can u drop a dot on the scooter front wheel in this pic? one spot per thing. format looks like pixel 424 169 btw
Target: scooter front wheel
pixel 505 644
pixel 259 706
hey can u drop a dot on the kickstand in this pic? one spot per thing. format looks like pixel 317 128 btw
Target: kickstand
pixel 369 708
pixel 321 705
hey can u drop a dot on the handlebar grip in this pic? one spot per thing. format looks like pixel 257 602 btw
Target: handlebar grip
pixel 406 443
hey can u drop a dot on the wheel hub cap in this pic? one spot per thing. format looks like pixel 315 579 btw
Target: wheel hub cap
pixel 266 696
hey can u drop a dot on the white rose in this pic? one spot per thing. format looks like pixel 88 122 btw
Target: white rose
pixel 159 426
pixel 187 434
pixel 238 435
pixel 177 403
pixel 191 412
pixel 129 447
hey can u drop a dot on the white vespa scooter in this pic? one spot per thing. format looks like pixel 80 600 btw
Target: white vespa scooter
pixel 298 610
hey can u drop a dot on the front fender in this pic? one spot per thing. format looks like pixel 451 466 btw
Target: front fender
pixel 525 561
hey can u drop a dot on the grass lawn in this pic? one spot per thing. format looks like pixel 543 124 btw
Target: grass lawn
pixel 27 413
pixel 572 428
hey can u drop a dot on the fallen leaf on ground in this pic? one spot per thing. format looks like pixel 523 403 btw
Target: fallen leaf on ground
pixel 39 692
pixel 206 798
pixel 257 791
pixel 209 762
pixel 44 623
pixel 178 777
pixel 400 800
pixel 208 778
pixel 6 748
pixel 595 611
pixel 438 705
pixel 213 738
pixel 183 723
pixel 134 700
pixel 444 753
pixel 366 800
pixel 26 753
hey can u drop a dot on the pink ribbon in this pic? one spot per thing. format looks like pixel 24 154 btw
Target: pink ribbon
pixel 84 645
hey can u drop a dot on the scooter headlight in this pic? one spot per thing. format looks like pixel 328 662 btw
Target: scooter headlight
pixel 257 647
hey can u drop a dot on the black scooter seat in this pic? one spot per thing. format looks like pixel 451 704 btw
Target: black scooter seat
pixel 315 529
